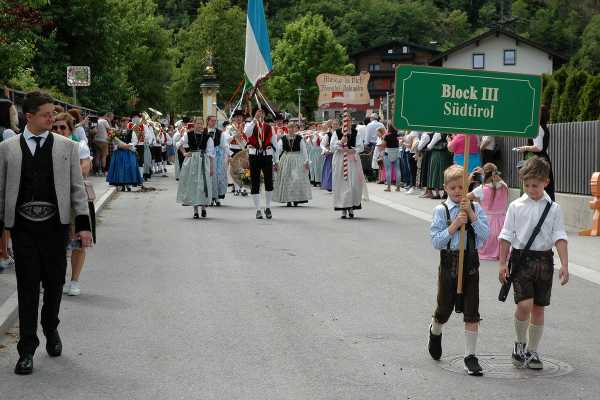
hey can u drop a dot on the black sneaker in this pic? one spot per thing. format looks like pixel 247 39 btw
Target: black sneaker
pixel 435 345
pixel 518 354
pixel 532 361
pixel 259 214
pixel 268 213
pixel 472 366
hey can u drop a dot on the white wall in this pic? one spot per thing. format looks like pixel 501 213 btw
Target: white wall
pixel 529 60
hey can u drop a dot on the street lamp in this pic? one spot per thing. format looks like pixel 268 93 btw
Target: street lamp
pixel 299 90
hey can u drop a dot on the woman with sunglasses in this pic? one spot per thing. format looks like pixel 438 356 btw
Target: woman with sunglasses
pixel 64 125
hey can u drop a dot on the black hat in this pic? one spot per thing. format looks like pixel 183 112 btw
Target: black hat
pixel 135 114
pixel 238 113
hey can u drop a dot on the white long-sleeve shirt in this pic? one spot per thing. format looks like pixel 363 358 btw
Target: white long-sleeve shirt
pixel 337 145
pixel 423 141
pixel 303 149
pixel 434 140
pixel 210 145
pixel 325 148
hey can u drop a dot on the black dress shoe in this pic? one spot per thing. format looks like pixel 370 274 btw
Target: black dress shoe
pixel 268 213
pixel 203 213
pixel 53 344
pixel 24 365
pixel 196 216
pixel 258 214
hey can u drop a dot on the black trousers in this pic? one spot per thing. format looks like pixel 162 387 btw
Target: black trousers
pixel 39 257
pixel 260 164
pixel 180 158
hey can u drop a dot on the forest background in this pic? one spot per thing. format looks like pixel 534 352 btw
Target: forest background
pixel 153 53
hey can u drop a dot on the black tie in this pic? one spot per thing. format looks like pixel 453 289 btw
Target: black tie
pixel 37 139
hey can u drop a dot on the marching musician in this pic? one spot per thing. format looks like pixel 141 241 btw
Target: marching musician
pixel 237 142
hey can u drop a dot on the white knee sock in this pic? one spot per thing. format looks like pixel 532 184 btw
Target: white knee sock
pixel 521 330
pixel 535 336
pixel 470 343
pixel 195 209
pixel 268 198
pixel 256 198
pixel 436 327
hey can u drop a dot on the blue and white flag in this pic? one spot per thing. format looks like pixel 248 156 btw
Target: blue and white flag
pixel 258 64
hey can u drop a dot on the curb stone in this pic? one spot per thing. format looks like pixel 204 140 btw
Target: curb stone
pixel 8 309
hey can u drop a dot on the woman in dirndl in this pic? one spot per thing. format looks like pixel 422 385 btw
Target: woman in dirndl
pixel 123 171
pixel 326 176
pixel 292 183
pixel 440 160
pixel 315 156
pixel 349 185
pixel 195 178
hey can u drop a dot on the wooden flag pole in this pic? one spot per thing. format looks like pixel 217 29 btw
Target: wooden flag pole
pixel 459 305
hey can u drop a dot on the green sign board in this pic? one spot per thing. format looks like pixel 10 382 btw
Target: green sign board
pixel 462 101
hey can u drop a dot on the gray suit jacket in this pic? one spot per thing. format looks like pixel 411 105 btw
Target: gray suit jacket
pixel 68 181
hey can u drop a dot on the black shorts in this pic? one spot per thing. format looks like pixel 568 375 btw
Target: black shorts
pixel 532 273
pixel 156 153
pixel 447 280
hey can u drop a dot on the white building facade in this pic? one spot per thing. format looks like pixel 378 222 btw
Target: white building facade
pixel 501 51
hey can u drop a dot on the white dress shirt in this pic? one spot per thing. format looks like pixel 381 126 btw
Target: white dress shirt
pixel 522 217
pixel 372 129
pixel 30 142
pixel 434 140
pixel 423 141
pixel 539 139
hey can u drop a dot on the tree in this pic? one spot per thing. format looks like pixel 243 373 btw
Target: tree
pixel 560 77
pixel 308 48
pixel 219 28
pixel 588 56
pixel 20 24
pixel 590 100
pixel 121 41
pixel 569 103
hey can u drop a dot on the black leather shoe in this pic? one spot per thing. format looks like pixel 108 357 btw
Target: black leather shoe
pixel 435 345
pixel 53 344
pixel 268 213
pixel 203 213
pixel 196 216
pixel 24 365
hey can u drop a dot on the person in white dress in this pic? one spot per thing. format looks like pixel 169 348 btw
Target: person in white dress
pixel 349 186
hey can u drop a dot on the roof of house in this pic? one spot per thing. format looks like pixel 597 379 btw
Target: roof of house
pixel 396 42
pixel 498 32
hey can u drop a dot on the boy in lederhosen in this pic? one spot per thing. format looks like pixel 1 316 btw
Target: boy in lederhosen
pixel 448 219
pixel 532 261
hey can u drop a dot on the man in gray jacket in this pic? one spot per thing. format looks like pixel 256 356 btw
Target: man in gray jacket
pixel 41 187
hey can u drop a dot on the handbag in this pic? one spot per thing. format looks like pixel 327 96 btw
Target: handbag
pixel 505 289
pixel 89 190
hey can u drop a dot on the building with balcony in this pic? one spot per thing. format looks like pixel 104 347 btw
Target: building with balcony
pixel 381 62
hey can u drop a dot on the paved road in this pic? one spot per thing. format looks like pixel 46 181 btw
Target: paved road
pixel 305 306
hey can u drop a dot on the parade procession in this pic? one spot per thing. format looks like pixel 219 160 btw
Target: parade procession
pixel 324 199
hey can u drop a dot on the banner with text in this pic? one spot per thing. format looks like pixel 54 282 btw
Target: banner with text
pixel 464 101
pixel 337 90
